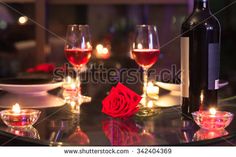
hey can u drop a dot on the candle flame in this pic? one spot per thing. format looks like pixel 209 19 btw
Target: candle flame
pixel 73 86
pixel 16 108
pixel 68 79
pixel 212 111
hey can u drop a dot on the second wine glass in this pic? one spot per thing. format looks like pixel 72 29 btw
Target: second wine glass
pixel 145 51
pixel 78 51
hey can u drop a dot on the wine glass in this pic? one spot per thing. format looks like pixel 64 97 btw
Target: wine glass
pixel 145 51
pixel 78 51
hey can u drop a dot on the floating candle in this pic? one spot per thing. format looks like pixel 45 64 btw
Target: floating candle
pixel 19 118
pixel 212 119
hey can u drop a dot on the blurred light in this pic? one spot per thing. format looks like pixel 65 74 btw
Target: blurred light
pixel 102 52
pixel 99 48
pixel 89 46
pixel 105 51
pixel 150 104
pixel 3 24
pixel 201 97
pixel 23 20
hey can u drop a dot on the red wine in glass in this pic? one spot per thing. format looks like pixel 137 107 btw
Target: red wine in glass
pixel 78 57
pixel 146 57
pixel 145 51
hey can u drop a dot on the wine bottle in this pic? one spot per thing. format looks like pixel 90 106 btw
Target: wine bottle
pixel 200 59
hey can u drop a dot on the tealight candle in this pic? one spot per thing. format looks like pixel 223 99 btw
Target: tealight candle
pixel 70 87
pixel 69 83
pixel 16 117
pixel 152 90
pixel 212 119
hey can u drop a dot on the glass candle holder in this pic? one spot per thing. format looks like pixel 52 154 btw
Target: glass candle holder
pixel 212 119
pixel 21 118
pixel 70 89
pixel 30 132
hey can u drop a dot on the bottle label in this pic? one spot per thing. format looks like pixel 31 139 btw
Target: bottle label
pixel 213 66
pixel 185 66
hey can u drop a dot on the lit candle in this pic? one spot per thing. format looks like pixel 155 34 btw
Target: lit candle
pixel 152 90
pixel 212 119
pixel 71 88
pixel 16 117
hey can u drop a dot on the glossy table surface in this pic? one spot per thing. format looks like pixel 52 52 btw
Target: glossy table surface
pixel 57 125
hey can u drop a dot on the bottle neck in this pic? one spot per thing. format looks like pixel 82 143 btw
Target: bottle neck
pixel 201 5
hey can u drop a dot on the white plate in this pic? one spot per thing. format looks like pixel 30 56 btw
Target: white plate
pixel 30 101
pixel 32 89
pixel 168 86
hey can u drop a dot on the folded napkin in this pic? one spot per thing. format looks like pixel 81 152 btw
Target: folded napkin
pixel 121 102
pixel 45 67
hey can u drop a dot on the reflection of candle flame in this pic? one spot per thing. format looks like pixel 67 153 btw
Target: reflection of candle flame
pixel 212 111
pixel 140 46
pixel 89 45
pixel 72 104
pixel 16 108
pixel 201 98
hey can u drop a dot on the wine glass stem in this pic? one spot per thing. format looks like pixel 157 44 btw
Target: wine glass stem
pixel 78 81
pixel 145 82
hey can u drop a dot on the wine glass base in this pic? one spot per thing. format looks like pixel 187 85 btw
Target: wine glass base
pixel 84 99
pixel 77 102
pixel 147 112
pixel 148 108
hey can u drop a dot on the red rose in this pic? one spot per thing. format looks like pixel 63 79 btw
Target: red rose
pixel 121 132
pixel 121 102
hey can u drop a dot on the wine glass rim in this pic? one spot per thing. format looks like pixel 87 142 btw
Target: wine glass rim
pixel 144 25
pixel 78 25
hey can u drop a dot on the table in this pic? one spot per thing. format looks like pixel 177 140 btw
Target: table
pixel 57 126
